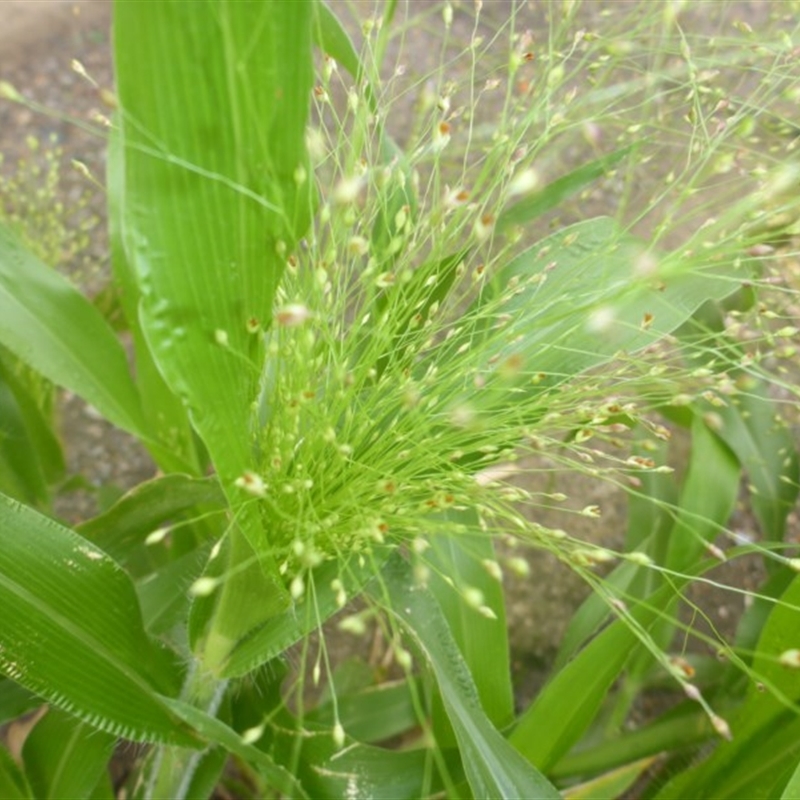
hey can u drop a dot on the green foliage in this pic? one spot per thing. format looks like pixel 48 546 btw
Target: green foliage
pixel 353 363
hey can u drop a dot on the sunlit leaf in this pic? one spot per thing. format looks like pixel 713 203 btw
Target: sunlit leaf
pixel 465 559
pixel 214 193
pixel 60 594
pixel 492 766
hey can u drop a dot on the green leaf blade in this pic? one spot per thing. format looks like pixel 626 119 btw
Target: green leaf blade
pixel 49 325
pixel 483 642
pixel 493 767
pixel 555 193
pixel 212 147
pixel 62 595
pixel 64 757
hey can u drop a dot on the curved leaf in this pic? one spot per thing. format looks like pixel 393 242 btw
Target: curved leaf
pixel 52 327
pixel 764 445
pixel 559 190
pixel 494 769
pixel 213 730
pixel 578 298
pixel 64 757
pixel 146 507
pixel 61 595
pixel 13 785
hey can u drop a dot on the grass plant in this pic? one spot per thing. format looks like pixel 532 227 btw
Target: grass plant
pixel 381 296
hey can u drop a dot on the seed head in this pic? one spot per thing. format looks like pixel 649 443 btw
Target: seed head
pixel 721 727
pixel 292 315
pixel 203 587
pixel 790 658
pixel 252 483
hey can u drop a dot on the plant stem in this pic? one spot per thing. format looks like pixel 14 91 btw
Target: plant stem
pixel 235 613
pixel 173 768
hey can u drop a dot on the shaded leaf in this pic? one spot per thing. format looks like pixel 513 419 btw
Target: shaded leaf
pixel 49 325
pixel 64 757
pixel 611 784
pixel 766 728
pixel 15 700
pixel 35 399
pixel 149 506
pixel 763 443
pixel 164 594
pixel 683 727
pixel 13 785
pixel 565 708
pixel 216 731
pixel 707 498
pixel 22 471
pixel 372 714
pixel 258 644
pixel 559 190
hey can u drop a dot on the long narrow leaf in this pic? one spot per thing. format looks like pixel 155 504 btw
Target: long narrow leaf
pixel 13 785
pixel 148 506
pixel 565 708
pixel 65 757
pixel 766 727
pixel 213 162
pixel 561 189
pixel 492 766
pixel 765 447
pixel 258 644
pixel 61 595
pixel 21 470
pixel 792 789
pixel 707 498
pixel 166 414
pixel 217 192
pixel 577 299
pixel 48 324
pixel 216 731
pixel 465 559
pixel 35 405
